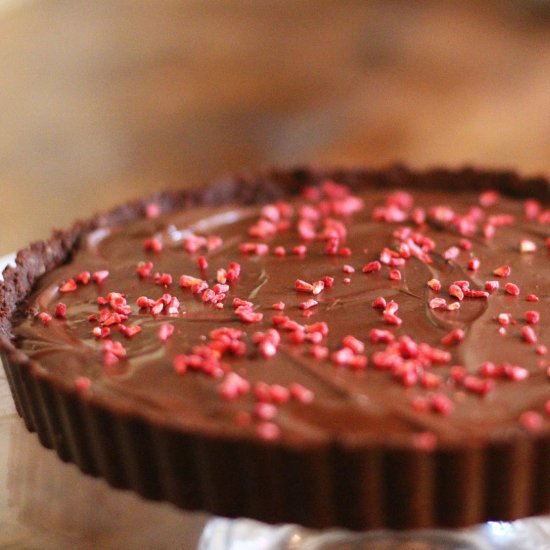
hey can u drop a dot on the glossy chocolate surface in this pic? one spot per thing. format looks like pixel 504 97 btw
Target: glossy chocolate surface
pixel 351 406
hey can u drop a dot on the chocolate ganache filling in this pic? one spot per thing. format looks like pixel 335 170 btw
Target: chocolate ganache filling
pixel 402 318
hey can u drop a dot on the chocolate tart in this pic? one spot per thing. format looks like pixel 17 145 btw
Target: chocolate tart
pixel 403 385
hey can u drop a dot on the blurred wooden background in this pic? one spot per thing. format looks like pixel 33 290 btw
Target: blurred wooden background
pixel 102 100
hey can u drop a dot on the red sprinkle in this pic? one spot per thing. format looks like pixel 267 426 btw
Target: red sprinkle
pixel 271 212
pixel 532 209
pixel 202 263
pixel 504 319
pixel 488 230
pixel 476 294
pixel 395 275
pixel 265 411
pixel 112 352
pixel 180 363
pixel 163 279
pixel 441 404
pixel 353 344
pixel 319 352
pixel 262 229
pixel 331 248
pixel 82 384
pixel 61 310
pixel 320 327
pixel 425 441
pixel 238 302
pixel 234 386
pixel 279 394
pixel 462 284
pixel 233 271
pixel 489 198
pixel 279 306
pixel 489 370
pixel 532 298
pixel 152 245
pixel 529 335
pixel 301 393
pixel 219 288
pixel 300 250
pixel 526 246
pixel 436 303
pixel 303 286
pixel 342 356
pixel 165 331
pixel 99 276
pixel 478 385
pixel 454 337
pixel 187 281
pixel 69 286
pixel 451 253
pixel 532 317
pixel 101 332
pixel 434 284
pixel 193 243
pixel 83 277
pixel 259 249
pixel 249 316
pixel 152 210
pixel 492 286
pixel 318 287
pixel 144 269
pixel 379 303
pixel 392 319
pixel 466 244
pixel 45 318
pixel 221 275
pixel 268 431
pixel 473 264
pixel 309 304
pixel 267 342
pixel 430 380
pixel 531 420
pixel 130 331
pixel 372 267
pixel 456 292
pixel 144 302
pixel 515 372
pixel 358 362
pixel 512 289
pixel 458 373
pixel 502 271
pixel 420 404
pixel 418 216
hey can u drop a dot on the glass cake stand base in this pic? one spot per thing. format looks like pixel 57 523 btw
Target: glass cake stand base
pixel 527 534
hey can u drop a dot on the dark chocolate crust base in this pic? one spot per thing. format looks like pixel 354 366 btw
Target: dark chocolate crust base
pixel 319 486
